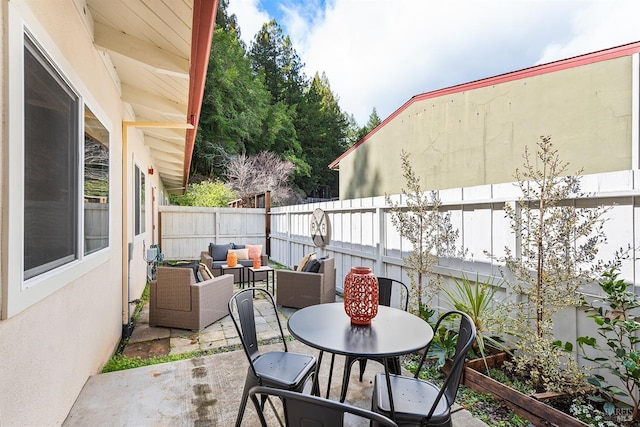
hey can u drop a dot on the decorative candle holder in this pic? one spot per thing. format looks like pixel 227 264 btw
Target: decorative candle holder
pixel 232 259
pixel 361 295
pixel 256 262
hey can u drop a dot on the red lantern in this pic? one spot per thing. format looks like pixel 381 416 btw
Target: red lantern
pixel 361 295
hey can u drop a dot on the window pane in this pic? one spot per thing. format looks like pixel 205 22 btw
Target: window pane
pixel 96 184
pixel 139 201
pixel 51 166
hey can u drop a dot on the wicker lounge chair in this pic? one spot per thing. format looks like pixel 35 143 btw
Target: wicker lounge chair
pixel 178 301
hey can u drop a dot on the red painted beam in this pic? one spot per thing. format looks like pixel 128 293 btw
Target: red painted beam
pixel 204 19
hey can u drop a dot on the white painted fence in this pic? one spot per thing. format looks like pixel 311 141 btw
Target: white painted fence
pixel 362 234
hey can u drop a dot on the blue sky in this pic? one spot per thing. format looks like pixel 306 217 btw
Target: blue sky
pixel 380 53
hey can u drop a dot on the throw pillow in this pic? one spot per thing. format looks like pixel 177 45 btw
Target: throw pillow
pixel 193 265
pixel 305 260
pixel 235 246
pixel 242 254
pixel 219 252
pixel 313 266
pixel 205 272
pixel 254 251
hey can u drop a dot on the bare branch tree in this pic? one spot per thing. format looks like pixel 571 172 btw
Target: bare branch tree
pixel 263 172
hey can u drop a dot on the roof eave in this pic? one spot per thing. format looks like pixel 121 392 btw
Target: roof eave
pixel 204 18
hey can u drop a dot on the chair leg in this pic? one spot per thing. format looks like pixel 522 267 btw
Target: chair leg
pixel 363 366
pixel 248 384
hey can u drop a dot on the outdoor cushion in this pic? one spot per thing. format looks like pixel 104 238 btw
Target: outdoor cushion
pixel 254 251
pixel 204 271
pixel 242 254
pixel 219 252
pixel 303 262
pixel 313 266
pixel 235 246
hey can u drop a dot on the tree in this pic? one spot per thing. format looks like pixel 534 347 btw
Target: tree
pixel 206 193
pixel 322 131
pixel 430 233
pixel 559 243
pixel 273 56
pixel 234 106
pixel 249 175
pixel 372 123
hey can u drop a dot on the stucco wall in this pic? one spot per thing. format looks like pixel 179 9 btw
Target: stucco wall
pixel 478 136
pixel 50 347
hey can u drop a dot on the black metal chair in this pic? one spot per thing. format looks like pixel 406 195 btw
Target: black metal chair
pixel 306 410
pixel 421 403
pixel 278 369
pixel 385 293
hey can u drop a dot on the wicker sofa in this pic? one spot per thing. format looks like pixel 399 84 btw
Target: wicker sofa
pixel 176 300
pixel 301 289
pixel 216 256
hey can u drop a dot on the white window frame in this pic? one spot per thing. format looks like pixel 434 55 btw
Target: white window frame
pixel 19 294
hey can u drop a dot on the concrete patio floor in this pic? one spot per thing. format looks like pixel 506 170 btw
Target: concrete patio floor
pixel 203 391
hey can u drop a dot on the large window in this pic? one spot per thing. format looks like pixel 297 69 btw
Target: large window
pixel 51 165
pixel 96 184
pixel 56 189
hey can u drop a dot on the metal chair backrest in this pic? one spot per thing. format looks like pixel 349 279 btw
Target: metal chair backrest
pixel 466 337
pixel 242 312
pixel 304 409
pixel 385 291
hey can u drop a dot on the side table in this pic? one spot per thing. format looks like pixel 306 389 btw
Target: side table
pixel 240 267
pixel 264 269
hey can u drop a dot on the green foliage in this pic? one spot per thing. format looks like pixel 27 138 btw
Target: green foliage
pixel 258 99
pixel 234 107
pixel 120 362
pixel 206 193
pixel 322 130
pixel 618 330
pixel 589 415
pixel 477 299
pixel 428 230
pixel 559 244
pixel 443 346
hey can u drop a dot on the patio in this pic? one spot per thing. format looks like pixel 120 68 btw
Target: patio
pixel 203 391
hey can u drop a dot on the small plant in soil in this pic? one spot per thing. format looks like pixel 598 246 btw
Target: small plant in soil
pixel 615 350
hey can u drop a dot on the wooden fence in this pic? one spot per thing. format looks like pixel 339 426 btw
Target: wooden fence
pixel 186 231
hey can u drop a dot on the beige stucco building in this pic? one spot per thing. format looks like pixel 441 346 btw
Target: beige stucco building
pixel 100 99
pixel 475 133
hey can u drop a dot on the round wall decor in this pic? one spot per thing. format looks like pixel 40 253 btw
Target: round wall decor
pixel 320 228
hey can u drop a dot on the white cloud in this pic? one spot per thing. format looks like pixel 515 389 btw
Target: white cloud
pixel 379 53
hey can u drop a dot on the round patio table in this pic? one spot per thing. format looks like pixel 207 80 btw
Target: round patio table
pixel 327 327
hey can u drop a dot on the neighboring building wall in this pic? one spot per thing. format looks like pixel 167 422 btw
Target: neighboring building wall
pixel 475 134
pixel 64 328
